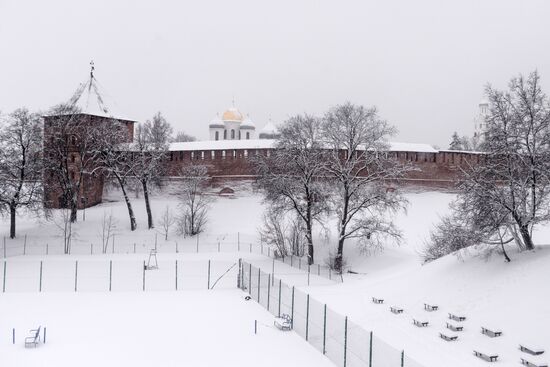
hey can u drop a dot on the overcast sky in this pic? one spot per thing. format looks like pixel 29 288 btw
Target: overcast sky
pixel 423 63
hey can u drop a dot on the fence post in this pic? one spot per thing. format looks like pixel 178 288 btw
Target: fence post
pixel 197 243
pixel 292 312
pixel 255 327
pixel 307 318
pixel 143 275
pixel 308 273
pixel 291 257
pixel 250 247
pixel 75 275
pixel 208 274
pixel 279 315
pixel 370 350
pixel 259 282
pixel 4 279
pixel 25 245
pixel 91 248
pixel 134 247
pixel 218 246
pixel 110 274
pixel 176 273
pixel 250 279
pixel 268 289
pixel 13 335
pixel 402 358
pixel 345 340
pixel 262 248
pixel 273 267
pixel 155 242
pixel 47 249
pixel 44 335
pixel 325 329
pixel 40 283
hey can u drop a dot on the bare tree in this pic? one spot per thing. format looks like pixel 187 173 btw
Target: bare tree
pixel 193 201
pixel 147 163
pixel 62 221
pixel 514 174
pixel 182 137
pixel 166 222
pixel 359 168
pixel 158 131
pixel 108 228
pixel 73 144
pixel 115 160
pixel 20 164
pixel 292 176
pixel 285 236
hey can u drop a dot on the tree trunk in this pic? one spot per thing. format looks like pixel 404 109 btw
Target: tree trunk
pixel 526 236
pixel 133 224
pixel 309 235
pixel 339 260
pixel 147 205
pixel 74 208
pixel 12 221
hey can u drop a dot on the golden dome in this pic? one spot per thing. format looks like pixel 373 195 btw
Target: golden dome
pixel 232 114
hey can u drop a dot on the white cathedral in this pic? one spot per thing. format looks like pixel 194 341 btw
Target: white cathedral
pixel 232 125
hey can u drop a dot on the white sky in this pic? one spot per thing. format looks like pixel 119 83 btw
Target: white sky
pixel 423 63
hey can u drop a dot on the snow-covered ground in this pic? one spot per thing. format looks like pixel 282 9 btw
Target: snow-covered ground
pixel 489 292
pixel 190 328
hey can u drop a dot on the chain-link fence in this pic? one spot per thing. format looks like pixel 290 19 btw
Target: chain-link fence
pixel 131 243
pixel 338 338
pixel 115 275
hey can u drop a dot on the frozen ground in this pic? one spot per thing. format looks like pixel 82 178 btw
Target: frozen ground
pixel 513 297
pixel 190 328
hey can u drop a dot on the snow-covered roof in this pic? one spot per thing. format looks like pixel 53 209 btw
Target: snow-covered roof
pixel 248 124
pixel 216 122
pixel 269 128
pixel 270 143
pixel 223 144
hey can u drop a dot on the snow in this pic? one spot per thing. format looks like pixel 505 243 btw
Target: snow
pixel 270 143
pixel 512 296
pixel 195 328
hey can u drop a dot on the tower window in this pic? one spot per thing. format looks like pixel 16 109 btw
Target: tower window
pixel 217 135
pixel 225 135
pixel 247 135
pixel 232 134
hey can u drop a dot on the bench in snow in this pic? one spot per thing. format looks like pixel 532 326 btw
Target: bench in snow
pixel 429 307
pixel 530 349
pixel 456 317
pixel 532 363
pixel 34 339
pixel 485 356
pixel 420 323
pixel 283 323
pixel 493 333
pixel 377 300
pixel 448 337
pixel 454 327
pixel 396 310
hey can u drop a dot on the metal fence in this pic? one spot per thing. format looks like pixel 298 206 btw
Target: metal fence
pixel 345 343
pixel 115 275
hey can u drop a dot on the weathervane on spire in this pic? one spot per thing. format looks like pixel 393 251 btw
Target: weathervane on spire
pixel 92 68
pixel 233 102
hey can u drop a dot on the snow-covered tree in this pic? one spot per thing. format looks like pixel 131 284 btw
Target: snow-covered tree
pixel 504 196
pixel 148 153
pixel 456 142
pixel 194 203
pixel 20 164
pixel 166 222
pixel 359 168
pixel 292 176
pixel 182 137
pixel 158 131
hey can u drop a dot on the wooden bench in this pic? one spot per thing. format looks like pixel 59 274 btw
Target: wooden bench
pixel 486 357
pixel 377 300
pixel 493 333
pixel 456 317
pixel 34 339
pixel 447 337
pixel 420 323
pixel 525 362
pixel 454 327
pixel 283 323
pixel 430 308
pixel 396 310
pixel 530 349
